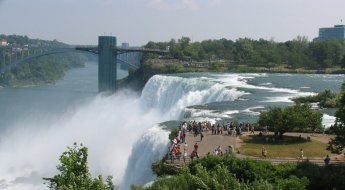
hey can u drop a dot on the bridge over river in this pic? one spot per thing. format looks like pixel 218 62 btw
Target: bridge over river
pixel 109 55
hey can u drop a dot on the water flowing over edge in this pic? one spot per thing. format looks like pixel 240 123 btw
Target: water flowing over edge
pixel 171 94
pixel 122 121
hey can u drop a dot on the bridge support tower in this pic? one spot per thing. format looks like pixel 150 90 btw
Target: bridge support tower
pixel 107 64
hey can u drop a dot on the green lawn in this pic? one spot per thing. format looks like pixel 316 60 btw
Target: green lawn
pixel 289 147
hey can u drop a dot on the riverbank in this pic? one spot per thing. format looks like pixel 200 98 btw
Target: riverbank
pixel 137 79
pixel 41 71
pixel 227 66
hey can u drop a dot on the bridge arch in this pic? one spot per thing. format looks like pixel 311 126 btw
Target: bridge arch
pixel 107 52
pixel 18 62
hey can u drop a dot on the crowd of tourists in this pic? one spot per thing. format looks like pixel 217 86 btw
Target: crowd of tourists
pixel 231 128
pixel 217 129
pixel 191 127
pixel 179 146
pixel 197 129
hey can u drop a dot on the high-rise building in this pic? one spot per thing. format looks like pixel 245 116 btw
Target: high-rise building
pixel 107 58
pixel 336 32
pixel 125 45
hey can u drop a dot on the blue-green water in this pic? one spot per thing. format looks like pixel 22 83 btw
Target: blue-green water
pixel 256 92
pixel 78 87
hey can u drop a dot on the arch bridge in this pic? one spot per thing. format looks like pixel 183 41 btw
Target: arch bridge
pixel 109 55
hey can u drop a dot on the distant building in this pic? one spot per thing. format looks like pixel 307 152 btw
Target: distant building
pixel 125 45
pixel 3 43
pixel 336 32
pixel 107 74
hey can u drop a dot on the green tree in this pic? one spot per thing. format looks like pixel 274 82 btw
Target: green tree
pixel 294 118
pixel 299 53
pixel 274 119
pixel 184 41
pixel 342 63
pixel 337 143
pixel 192 50
pixel 74 173
pixel 327 53
pixel 243 50
pixel 292 183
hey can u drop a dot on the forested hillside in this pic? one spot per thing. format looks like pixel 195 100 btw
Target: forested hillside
pixel 46 69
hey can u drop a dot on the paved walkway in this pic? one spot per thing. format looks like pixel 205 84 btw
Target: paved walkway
pixel 211 142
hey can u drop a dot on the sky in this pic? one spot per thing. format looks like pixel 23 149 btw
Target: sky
pixel 137 22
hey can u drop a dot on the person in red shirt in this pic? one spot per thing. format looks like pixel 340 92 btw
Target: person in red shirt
pixel 196 146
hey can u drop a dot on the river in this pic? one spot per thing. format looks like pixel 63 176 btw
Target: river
pixel 121 131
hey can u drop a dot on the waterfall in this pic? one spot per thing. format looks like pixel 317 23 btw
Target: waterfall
pixel 170 95
pixel 121 132
pixel 149 148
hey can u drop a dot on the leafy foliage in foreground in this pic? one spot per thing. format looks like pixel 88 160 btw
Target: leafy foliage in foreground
pixel 229 172
pixel 74 172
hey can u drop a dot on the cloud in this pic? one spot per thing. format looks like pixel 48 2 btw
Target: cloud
pixel 171 5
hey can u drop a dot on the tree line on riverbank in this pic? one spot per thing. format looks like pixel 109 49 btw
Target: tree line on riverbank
pixel 242 55
pixel 296 53
pixel 43 70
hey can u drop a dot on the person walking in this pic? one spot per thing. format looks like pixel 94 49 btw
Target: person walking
pixel 185 146
pixel 184 156
pixel 301 156
pixel 196 146
pixel 327 160
pixel 252 130
pixel 264 152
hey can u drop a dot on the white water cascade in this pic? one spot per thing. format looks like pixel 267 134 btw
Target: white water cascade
pixel 169 95
pixel 117 130
pixel 108 126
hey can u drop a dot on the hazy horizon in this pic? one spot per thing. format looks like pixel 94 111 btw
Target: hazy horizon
pixel 140 21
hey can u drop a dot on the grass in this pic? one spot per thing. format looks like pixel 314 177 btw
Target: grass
pixel 289 147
